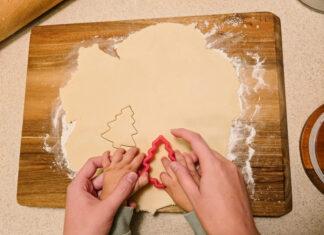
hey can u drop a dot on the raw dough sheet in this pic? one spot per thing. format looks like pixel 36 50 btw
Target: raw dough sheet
pixel 168 78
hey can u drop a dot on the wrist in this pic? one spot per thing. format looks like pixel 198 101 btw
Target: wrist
pixel 232 228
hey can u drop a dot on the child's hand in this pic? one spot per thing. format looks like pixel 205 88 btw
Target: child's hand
pixel 119 164
pixel 169 179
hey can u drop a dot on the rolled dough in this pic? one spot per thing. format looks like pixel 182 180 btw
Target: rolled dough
pixel 169 78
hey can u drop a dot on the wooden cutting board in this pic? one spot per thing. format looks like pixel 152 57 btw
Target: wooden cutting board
pixel 53 55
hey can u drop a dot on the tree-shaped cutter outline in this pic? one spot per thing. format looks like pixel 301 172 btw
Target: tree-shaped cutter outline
pixel 114 120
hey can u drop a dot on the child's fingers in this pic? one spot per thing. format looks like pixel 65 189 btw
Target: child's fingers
pixel 166 180
pixel 192 168
pixel 137 161
pixel 194 157
pixel 141 182
pixel 180 158
pixel 106 159
pixel 166 164
pixel 98 182
pixel 130 154
pixel 118 155
pixel 186 181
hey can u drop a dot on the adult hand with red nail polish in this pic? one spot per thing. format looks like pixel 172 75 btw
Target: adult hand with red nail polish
pixel 219 198
pixel 85 213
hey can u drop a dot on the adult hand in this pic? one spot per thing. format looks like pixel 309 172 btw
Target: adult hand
pixel 85 213
pixel 220 198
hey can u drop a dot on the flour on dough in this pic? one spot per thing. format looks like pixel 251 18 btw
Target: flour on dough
pixel 170 79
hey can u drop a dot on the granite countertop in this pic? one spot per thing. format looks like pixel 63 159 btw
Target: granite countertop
pixel 303 50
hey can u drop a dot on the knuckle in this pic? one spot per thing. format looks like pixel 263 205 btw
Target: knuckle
pixel 118 151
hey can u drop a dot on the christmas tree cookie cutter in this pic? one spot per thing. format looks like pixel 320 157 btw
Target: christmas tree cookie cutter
pixel 117 142
pixel 161 140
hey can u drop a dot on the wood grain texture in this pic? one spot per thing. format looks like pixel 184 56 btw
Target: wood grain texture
pixel 52 57
pixel 319 148
pixel 15 14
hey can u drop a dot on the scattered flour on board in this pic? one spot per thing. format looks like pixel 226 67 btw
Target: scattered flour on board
pixel 46 145
pixel 57 112
pixel 234 21
pixel 206 23
pixel 211 32
pixel 236 136
pixel 258 71
pixel 58 149
pixel 67 129
pixel 238 130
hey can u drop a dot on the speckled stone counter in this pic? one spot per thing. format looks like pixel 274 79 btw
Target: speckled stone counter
pixel 303 50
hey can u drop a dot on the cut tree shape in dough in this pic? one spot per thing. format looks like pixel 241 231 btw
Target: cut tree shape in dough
pixel 169 77
pixel 121 129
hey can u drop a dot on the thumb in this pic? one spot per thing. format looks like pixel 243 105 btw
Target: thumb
pixel 186 181
pixel 122 191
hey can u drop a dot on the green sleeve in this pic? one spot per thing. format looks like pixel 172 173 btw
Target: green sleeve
pixel 194 222
pixel 122 221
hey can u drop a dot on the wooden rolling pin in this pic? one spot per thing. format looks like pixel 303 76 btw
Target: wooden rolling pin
pixel 14 14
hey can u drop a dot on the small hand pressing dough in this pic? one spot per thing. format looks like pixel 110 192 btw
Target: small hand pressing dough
pixel 169 179
pixel 121 163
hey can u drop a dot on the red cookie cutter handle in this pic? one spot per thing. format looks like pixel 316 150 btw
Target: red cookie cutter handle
pixel 150 155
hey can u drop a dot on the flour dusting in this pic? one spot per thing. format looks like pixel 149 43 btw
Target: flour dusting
pixel 234 21
pixel 67 128
pixel 242 133
pixel 46 146
pixel 239 128
pixel 57 112
pixel 258 71
pixel 256 111
pixel 211 32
